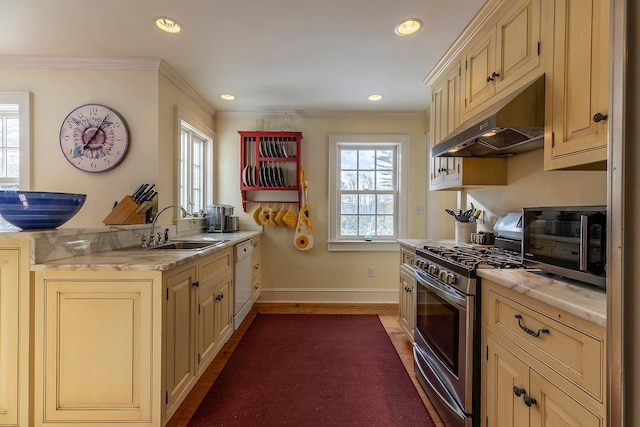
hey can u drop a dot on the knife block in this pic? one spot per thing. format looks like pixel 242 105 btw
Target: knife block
pixel 127 211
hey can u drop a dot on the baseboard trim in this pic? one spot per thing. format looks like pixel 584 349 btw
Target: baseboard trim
pixel 324 296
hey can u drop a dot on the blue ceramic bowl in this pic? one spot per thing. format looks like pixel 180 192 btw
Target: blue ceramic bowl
pixel 38 210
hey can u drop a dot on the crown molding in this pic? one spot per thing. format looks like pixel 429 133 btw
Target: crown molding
pixel 107 63
pixel 323 114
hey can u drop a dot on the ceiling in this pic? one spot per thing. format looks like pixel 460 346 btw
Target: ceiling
pixel 273 55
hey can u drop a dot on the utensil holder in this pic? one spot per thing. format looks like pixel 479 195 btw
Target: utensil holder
pixel 127 211
pixel 464 230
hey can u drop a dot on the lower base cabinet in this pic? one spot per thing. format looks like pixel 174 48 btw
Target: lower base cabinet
pixel 542 367
pixel 124 348
pixel 95 358
pixel 407 289
pixel 14 332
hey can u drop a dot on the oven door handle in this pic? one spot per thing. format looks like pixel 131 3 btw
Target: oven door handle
pixel 442 290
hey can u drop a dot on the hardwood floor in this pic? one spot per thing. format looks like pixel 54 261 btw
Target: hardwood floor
pixel 388 314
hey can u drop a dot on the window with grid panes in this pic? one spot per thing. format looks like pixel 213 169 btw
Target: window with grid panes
pixel 366 201
pixel 196 167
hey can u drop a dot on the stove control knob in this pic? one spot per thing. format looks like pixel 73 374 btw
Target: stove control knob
pixel 450 279
pixel 432 269
pixel 442 275
pixel 421 264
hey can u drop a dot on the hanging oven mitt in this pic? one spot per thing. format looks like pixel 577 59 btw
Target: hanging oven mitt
pixel 303 236
pixel 290 218
pixel 256 215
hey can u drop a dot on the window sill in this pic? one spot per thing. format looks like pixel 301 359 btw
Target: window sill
pixel 362 246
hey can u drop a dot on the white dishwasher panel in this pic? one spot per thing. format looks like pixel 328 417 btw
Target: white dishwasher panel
pixel 242 288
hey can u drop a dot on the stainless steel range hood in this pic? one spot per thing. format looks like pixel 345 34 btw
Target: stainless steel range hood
pixel 511 126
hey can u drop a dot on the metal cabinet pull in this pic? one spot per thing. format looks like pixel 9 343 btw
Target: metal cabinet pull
pixel 518 391
pixel 528 400
pixel 196 284
pixel 492 77
pixel 598 117
pixel 529 331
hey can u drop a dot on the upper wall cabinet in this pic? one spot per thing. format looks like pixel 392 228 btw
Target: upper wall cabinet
pixel 577 107
pixel 503 54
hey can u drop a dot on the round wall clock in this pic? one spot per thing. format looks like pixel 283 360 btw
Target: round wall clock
pixel 94 138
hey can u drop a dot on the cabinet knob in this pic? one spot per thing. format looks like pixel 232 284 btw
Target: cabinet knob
pixel 518 391
pixel 598 117
pixel 196 284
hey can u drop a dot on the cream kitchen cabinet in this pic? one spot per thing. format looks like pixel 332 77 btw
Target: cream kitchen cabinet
pixel 503 56
pixel 577 107
pixel 256 276
pixel 97 353
pixel 461 172
pixel 14 332
pixel 446 98
pixel 542 366
pixel 198 320
pixel 124 348
pixel 407 288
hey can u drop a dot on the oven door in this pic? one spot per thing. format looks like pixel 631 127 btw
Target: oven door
pixel 444 337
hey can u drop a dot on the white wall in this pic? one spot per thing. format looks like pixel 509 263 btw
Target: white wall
pixel 319 272
pixel 528 184
pixel 144 98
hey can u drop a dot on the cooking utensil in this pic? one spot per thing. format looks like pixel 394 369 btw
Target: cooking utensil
pixel 303 236
pixel 256 215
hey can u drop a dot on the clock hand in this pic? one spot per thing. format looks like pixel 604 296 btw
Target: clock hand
pixel 96 132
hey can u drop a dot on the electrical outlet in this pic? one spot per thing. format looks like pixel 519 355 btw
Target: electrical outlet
pixel 372 272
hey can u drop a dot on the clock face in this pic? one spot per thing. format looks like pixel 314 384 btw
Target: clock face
pixel 94 138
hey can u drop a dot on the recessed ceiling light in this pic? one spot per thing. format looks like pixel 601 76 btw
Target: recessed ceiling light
pixel 227 96
pixel 168 25
pixel 408 26
pixel 374 98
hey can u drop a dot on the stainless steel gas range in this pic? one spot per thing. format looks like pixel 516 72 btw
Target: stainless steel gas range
pixel 447 326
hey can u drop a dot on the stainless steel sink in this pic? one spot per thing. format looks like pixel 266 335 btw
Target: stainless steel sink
pixel 190 245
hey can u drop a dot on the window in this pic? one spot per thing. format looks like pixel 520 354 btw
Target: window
pixel 195 185
pixel 15 144
pixel 367 204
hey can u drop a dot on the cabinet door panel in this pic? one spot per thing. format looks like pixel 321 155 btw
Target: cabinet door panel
pixel 504 372
pixel 179 334
pixel 480 64
pixel 224 310
pixel 518 35
pixel 555 408
pixel 580 80
pixel 9 336
pixel 207 337
pixel 96 350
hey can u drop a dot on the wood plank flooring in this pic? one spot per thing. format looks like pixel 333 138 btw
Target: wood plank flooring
pixel 388 314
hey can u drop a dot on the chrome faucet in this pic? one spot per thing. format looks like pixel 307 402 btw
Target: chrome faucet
pixel 153 241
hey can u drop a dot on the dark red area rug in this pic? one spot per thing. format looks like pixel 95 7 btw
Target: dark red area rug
pixel 313 370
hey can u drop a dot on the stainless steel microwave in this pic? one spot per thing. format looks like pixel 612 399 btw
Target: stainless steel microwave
pixel 568 240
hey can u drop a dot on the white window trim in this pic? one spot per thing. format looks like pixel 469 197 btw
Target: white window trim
pixel 23 100
pixel 335 140
pixel 210 190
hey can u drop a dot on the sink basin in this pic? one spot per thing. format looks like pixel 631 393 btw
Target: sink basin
pixel 190 245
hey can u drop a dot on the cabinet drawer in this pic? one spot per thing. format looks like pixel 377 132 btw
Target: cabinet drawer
pixel 255 265
pixel 575 354
pixel 214 264
pixel 256 288
pixel 256 242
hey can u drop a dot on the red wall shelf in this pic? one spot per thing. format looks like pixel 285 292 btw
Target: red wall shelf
pixel 269 167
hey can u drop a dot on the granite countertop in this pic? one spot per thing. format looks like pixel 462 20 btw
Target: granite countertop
pixel 583 301
pixel 139 259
